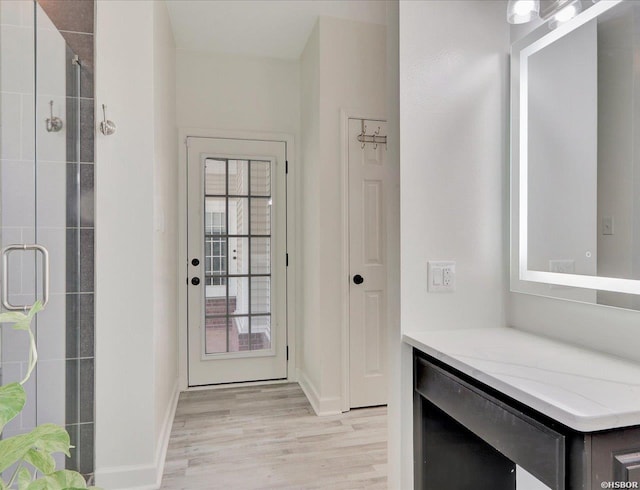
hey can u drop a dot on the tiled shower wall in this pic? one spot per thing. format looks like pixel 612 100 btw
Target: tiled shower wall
pixel 75 21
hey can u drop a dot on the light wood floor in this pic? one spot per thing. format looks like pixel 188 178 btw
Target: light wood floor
pixel 269 437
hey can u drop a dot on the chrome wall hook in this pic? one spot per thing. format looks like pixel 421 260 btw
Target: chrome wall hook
pixel 362 134
pixel 54 124
pixel 376 138
pixel 106 127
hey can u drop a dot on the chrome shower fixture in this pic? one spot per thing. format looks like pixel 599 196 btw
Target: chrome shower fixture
pixel 54 123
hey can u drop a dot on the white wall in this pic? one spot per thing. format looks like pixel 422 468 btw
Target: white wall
pixel 309 356
pixel 133 169
pixel 618 43
pixel 165 253
pixel 124 243
pixel 396 382
pixel 453 154
pixel 453 61
pixel 347 61
pixel 231 92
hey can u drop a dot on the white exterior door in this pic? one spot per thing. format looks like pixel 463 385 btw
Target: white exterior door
pixel 236 245
pixel 368 174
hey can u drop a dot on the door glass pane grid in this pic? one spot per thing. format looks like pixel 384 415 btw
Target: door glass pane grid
pixel 215 248
pixel 260 178
pixel 238 257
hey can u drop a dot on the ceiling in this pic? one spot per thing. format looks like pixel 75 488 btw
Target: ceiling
pixel 269 28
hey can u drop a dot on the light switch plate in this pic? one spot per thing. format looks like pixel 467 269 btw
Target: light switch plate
pixel 441 276
pixel 562 266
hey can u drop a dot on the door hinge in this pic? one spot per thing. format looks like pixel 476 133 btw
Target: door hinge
pixel 287 260
pixel 287 353
pixel 286 166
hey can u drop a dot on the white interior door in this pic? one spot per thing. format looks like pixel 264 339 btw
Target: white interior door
pixel 368 174
pixel 236 245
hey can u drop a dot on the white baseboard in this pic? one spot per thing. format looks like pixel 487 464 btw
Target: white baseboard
pixel 134 477
pixel 321 406
pixel 309 391
pixel 165 434
pixel 143 477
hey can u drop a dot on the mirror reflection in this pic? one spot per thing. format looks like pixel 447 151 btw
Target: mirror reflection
pixel 583 170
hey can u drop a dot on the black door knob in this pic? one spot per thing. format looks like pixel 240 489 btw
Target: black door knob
pixel 195 281
pixel 358 279
pixel 195 262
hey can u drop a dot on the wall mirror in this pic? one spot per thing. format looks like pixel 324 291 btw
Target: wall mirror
pixel 575 157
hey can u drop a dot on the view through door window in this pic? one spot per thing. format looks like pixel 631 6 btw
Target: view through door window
pixel 238 204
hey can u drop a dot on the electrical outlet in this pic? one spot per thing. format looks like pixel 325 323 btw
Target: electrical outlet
pixel 441 276
pixel 447 276
pixel 607 225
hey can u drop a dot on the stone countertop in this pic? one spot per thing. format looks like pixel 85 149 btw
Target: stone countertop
pixel 585 390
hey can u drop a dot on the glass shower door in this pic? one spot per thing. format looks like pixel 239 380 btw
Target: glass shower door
pixel 39 217
pixel 17 189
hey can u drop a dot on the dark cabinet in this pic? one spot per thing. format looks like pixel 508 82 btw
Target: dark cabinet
pixel 469 436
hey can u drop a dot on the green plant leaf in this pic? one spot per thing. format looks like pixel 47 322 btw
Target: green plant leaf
pixel 12 400
pixel 41 460
pixel 49 438
pixel 13 450
pixel 24 478
pixel 12 317
pixel 36 308
pixel 24 324
pixel 20 320
pixel 60 480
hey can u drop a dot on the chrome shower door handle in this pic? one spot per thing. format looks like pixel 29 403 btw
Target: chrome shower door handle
pixel 5 275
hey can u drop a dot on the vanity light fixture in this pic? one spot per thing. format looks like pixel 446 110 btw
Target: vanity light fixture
pixel 522 11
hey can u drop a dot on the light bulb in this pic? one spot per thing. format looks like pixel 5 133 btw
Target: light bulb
pixel 523 7
pixel 521 11
pixel 566 13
